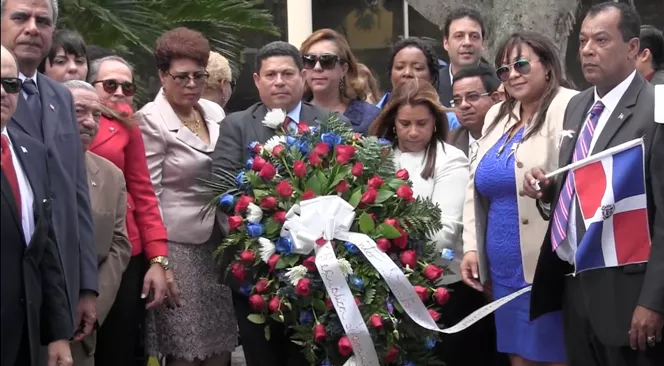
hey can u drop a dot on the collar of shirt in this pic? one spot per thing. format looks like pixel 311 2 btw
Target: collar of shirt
pixel 471 139
pixel 451 75
pixel 4 132
pixel 33 78
pixel 294 114
pixel 612 98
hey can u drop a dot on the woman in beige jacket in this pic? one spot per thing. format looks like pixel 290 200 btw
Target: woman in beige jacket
pixel 503 230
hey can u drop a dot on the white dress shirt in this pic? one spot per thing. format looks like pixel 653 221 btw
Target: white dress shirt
pixel 27 197
pixel 567 250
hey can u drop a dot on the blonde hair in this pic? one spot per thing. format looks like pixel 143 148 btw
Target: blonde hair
pixel 219 70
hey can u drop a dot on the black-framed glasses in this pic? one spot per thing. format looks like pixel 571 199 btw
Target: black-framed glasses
pixel 111 85
pixel 327 61
pixel 470 98
pixel 521 66
pixel 11 85
pixel 183 78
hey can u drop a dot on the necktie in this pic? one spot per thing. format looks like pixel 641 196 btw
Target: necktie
pixel 34 102
pixel 10 173
pixel 290 125
pixel 581 150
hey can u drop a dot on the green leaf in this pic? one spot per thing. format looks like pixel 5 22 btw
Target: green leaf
pixel 388 231
pixel 395 183
pixel 369 295
pixel 277 317
pixel 384 195
pixel 355 197
pixel 319 305
pixel 272 227
pixel 367 224
pixel 322 178
pixel 343 174
pixel 282 263
pixel 267 332
pixel 314 184
pixel 292 260
pixel 256 318
pixel 260 193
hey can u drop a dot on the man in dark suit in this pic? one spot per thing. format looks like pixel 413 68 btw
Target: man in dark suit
pixel 613 315
pixel 474 91
pixel 463 39
pixel 650 60
pixel 46 113
pixel 35 308
pixel 279 80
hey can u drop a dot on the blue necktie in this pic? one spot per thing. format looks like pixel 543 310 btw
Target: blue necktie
pixel 33 100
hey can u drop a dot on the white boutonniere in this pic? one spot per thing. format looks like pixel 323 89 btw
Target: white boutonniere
pixel 565 134
pixel 274 118
pixel 254 214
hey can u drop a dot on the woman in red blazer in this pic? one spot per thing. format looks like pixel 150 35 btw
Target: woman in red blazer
pixel 120 141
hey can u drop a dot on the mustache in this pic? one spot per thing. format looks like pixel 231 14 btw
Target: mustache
pixel 87 131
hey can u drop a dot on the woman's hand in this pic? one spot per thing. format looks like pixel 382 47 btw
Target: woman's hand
pixel 155 280
pixel 172 291
pixel 470 271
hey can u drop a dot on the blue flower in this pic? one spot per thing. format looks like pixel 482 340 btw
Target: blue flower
pixel 303 146
pixel 356 282
pixel 306 317
pixel 284 245
pixel 313 129
pixel 383 141
pixel 252 145
pixel 408 363
pixel 430 343
pixel 255 230
pixel 226 201
pixel 447 254
pixel 239 180
pixel 389 306
pixel 249 163
pixel 351 248
pixel 245 289
pixel 326 362
pixel 290 140
pixel 331 139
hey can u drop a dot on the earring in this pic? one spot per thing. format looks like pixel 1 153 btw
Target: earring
pixel 342 84
pixel 548 76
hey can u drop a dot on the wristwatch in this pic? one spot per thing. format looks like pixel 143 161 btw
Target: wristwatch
pixel 162 261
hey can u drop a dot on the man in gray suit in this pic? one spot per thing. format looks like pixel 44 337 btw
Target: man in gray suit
pixel 45 112
pixel 613 315
pixel 280 83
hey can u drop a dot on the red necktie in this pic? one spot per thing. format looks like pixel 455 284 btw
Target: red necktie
pixel 10 173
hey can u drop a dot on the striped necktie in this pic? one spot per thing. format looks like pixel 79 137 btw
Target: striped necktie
pixel 581 151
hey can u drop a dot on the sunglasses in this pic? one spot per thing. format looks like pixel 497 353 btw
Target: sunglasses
pixel 111 85
pixel 327 62
pixel 521 66
pixel 11 85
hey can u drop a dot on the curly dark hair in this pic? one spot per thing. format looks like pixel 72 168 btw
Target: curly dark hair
pixel 427 50
pixel 181 43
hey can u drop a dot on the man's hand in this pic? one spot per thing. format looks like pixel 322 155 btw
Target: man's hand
pixel 534 178
pixel 59 353
pixel 155 280
pixel 172 291
pixel 470 271
pixel 86 314
pixel 646 327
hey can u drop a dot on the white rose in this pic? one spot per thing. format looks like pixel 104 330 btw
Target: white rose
pixel 267 249
pixel 254 214
pixel 295 274
pixel 274 118
pixel 345 267
pixel 351 362
pixel 273 142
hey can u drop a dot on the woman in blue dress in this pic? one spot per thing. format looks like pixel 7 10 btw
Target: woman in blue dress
pixel 503 229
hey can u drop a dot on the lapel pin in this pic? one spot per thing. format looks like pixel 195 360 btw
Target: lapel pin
pixel 111 129
pixel 24 149
pixel 621 116
pixel 565 134
pixel 94 184
pixel 51 106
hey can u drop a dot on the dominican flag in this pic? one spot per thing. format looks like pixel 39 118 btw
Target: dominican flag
pixel 611 192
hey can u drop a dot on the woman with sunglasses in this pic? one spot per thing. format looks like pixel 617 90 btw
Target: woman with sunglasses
pixel 67 59
pixel 180 131
pixel 147 276
pixel 503 229
pixel 219 85
pixel 332 80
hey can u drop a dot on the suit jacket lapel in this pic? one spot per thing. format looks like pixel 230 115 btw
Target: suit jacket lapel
pixel 23 119
pixel 262 132
pixel 22 148
pixel 573 124
pixel 95 181
pixel 49 108
pixel 308 114
pixel 8 195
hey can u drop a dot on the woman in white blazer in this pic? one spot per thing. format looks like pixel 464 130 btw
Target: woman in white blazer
pixel 503 230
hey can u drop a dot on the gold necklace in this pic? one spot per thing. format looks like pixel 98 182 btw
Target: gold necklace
pixel 194 126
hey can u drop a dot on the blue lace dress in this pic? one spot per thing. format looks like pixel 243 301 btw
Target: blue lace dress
pixel 541 340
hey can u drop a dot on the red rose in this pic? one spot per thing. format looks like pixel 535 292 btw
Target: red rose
pixel 383 244
pixel 405 193
pixel 409 258
pixel 257 148
pixel 376 182
pixel 434 314
pixel 422 292
pixel 284 189
pixel 299 168
pixel 345 348
pixel 328 303
pixel 257 303
pixel 358 169
pixel 342 187
pixel 356 137
pixel 391 355
pixel 314 159
pixel 392 222
pixel 376 321
pixel 357 301
pixel 322 148
pixel 441 295
pixel 261 286
pixel 258 164
pixel 373 216
pixel 402 241
pixel 432 272
pixel 272 262
pixel 310 263
pixel 248 256
pixel 243 202
pixel 269 203
pixel 234 222
pixel 402 174
pixel 275 304
pixel 319 333
pixel 303 287
pixel 346 150
pixel 277 150
pixel 238 271
pixel 307 195
pixel 369 197
pixel 268 172
pixel 303 127
pixel 279 216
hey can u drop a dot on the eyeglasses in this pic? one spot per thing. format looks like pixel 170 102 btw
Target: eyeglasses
pixel 470 98
pixel 327 61
pixel 11 85
pixel 521 66
pixel 183 78
pixel 111 86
